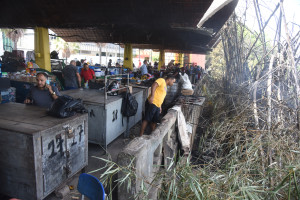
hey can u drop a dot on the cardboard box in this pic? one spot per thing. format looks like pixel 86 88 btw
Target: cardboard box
pixel 187 92
pixel 124 89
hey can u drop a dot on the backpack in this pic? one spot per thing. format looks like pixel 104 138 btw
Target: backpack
pixel 65 106
pixel 129 105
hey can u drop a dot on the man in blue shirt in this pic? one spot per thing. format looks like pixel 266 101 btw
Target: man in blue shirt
pixel 144 69
pixel 42 94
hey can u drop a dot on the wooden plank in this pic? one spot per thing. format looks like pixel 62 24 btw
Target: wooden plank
pixel 58 148
pixel 17 165
pixel 37 152
pixel 53 159
pixel 27 119
pixel 19 126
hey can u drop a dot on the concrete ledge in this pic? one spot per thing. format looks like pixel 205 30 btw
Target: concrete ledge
pixel 146 151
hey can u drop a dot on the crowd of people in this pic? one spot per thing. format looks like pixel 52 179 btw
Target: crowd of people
pixel 43 94
pixel 192 70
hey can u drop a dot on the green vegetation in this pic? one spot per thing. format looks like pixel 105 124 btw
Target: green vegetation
pixel 14 35
pixel 250 145
pixel 67 48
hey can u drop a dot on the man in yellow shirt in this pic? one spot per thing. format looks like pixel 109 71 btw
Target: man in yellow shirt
pixel 155 100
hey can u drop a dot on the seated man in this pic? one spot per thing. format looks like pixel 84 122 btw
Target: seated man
pixel 42 94
pixel 154 102
pixel 87 73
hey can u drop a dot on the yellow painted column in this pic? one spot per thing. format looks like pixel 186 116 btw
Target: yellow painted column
pixel 176 58
pixel 42 48
pixel 190 58
pixel 161 59
pixel 128 63
pixel 181 59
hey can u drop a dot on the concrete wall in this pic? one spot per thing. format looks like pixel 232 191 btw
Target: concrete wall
pixel 148 151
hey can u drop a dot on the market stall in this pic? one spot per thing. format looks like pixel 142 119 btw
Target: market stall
pixel 7 93
pixel 39 152
pixel 105 120
pixel 23 81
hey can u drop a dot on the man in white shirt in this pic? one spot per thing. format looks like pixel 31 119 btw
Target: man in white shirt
pixel 144 69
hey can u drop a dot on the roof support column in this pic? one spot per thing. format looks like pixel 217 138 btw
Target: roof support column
pixel 128 57
pixel 176 58
pixel 181 59
pixel 190 59
pixel 161 59
pixel 42 48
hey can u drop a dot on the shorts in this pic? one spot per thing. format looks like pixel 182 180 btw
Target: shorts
pixel 152 113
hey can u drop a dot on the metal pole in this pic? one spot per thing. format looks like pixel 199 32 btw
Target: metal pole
pixel 105 94
pixel 127 82
pixel 127 125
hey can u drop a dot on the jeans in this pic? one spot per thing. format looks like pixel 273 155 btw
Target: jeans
pixel 70 88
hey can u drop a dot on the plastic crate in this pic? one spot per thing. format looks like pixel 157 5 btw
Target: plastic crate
pixel 125 75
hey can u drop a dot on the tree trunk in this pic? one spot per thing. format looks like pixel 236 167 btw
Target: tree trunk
pixel 269 110
pixel 15 45
pixel 292 60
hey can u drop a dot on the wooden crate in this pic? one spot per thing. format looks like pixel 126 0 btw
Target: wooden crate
pixel 39 152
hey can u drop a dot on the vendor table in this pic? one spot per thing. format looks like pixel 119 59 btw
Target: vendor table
pixel 105 119
pixel 39 152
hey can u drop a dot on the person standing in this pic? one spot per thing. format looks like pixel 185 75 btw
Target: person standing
pixel 78 63
pixel 87 73
pixel 155 65
pixel 109 63
pixel 144 69
pixel 197 73
pixel 154 102
pixel 82 61
pixel 192 74
pixel 71 76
